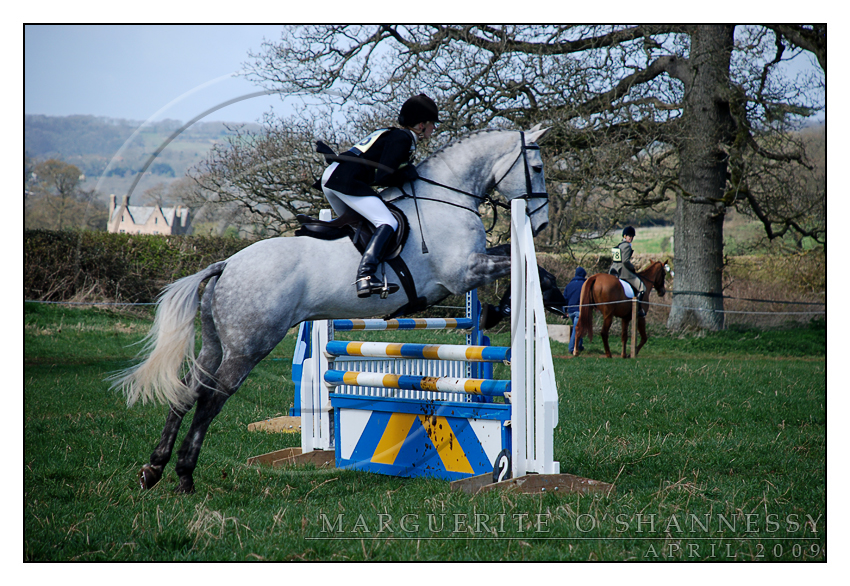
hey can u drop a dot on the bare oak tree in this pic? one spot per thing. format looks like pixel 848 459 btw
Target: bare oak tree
pixel 642 116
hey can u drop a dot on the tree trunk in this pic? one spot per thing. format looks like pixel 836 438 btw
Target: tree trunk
pixel 707 128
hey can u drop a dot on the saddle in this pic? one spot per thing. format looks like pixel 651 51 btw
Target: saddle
pixel 355 227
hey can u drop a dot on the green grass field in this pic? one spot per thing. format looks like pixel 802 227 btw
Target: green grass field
pixel 716 445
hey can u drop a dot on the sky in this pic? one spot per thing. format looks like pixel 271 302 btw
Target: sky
pixel 150 72
pixel 144 72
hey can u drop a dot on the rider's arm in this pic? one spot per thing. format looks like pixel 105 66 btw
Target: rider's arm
pixel 395 155
pixel 627 256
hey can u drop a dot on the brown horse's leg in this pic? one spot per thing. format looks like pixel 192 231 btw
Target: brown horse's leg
pixel 643 336
pixel 606 325
pixel 624 335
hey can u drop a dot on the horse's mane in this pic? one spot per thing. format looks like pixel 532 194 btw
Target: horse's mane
pixel 644 272
pixel 440 152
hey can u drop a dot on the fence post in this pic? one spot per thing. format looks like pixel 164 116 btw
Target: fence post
pixel 634 326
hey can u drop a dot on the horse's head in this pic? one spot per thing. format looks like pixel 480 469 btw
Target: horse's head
pixel 660 277
pixel 656 274
pixel 519 173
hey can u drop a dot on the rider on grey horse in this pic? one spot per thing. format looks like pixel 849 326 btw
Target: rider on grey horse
pixel 623 267
pixel 347 182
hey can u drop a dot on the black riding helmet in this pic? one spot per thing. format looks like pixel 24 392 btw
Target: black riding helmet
pixel 628 231
pixel 418 109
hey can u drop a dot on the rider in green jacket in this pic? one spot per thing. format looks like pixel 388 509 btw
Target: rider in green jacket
pixel 624 269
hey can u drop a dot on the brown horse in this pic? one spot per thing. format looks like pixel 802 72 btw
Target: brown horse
pixel 604 292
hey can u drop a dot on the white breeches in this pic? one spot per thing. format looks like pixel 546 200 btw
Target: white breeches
pixel 370 207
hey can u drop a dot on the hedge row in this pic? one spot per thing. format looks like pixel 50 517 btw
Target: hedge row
pixel 100 266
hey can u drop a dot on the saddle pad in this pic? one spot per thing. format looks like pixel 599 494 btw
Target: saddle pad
pixel 627 289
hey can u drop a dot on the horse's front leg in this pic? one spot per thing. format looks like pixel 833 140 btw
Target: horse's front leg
pixel 483 269
pixel 643 335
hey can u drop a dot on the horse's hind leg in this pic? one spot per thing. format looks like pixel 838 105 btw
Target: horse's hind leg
pixel 209 360
pixel 228 379
pixel 151 473
pixel 606 327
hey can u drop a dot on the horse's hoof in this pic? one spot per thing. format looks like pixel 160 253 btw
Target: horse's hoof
pixel 149 475
pixel 185 486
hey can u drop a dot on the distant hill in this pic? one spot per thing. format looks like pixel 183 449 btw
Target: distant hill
pixel 93 142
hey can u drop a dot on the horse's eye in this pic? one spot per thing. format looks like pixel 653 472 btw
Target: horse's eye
pixel 537 168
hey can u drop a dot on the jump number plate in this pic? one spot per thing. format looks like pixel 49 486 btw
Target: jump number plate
pixel 502 467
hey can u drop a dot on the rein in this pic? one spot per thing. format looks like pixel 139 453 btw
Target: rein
pixel 486 198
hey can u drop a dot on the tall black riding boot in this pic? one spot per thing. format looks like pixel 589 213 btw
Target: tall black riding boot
pixel 367 283
pixel 641 311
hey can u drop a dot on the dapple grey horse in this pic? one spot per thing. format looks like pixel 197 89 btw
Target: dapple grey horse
pixel 256 295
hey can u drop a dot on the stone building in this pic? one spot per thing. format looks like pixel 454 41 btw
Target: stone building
pixel 127 219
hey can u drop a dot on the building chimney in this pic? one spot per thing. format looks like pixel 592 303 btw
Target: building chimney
pixel 111 205
pixel 126 201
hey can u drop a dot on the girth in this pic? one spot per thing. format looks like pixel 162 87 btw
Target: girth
pixel 360 231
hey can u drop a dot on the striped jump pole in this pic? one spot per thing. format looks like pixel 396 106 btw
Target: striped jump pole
pixel 475 386
pixel 421 351
pixel 449 323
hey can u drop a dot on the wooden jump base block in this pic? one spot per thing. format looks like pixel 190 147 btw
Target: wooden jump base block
pixel 294 457
pixel 534 484
pixel 283 424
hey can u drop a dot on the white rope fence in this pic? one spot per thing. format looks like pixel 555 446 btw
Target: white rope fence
pixel 823 312
pixel 712 310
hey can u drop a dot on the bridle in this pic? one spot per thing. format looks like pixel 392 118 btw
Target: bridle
pixel 487 198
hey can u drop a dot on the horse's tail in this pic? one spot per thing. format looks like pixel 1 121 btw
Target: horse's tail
pixel 585 314
pixel 170 342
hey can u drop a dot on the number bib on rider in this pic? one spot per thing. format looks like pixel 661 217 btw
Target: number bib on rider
pixel 617 254
pixel 367 143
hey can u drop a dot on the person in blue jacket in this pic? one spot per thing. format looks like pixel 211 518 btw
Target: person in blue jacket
pixel 383 159
pixel 572 293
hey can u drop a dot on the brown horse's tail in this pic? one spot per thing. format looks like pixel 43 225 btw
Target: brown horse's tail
pixel 584 328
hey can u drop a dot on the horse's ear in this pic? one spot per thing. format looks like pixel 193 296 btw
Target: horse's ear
pixel 536 133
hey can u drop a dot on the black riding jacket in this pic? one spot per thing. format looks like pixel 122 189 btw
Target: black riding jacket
pixel 388 147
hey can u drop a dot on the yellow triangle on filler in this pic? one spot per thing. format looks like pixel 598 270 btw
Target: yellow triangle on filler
pixel 398 427
pixel 445 441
